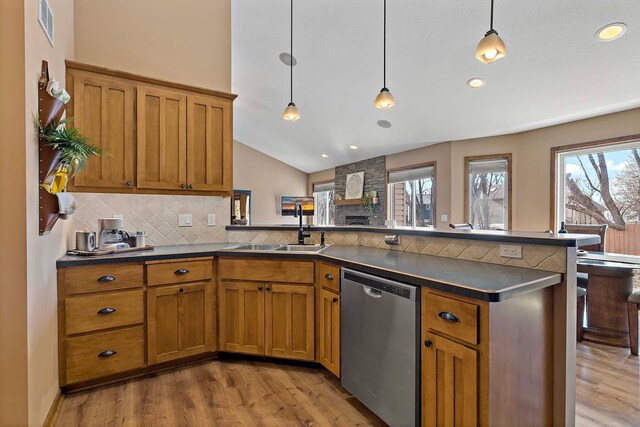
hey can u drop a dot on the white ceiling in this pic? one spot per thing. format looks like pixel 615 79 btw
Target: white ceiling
pixel 555 71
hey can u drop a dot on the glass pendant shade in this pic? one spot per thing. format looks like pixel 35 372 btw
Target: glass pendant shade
pixel 491 48
pixel 384 100
pixel 291 113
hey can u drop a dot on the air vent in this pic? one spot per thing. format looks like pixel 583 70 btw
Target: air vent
pixel 45 17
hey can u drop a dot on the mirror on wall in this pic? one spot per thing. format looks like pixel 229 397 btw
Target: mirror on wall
pixel 241 207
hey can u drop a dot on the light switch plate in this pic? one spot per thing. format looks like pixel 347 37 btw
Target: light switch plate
pixel 185 220
pixel 444 217
pixel 211 219
pixel 511 251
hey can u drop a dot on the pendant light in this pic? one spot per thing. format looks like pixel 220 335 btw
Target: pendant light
pixel 291 113
pixel 384 100
pixel 491 47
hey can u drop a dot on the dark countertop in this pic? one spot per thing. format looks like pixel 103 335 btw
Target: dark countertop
pixel 525 237
pixel 487 282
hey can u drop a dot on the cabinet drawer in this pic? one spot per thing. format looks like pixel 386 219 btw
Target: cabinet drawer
pixel 455 318
pixel 96 278
pixel 179 271
pixel 281 271
pixel 104 353
pixel 329 276
pixel 103 311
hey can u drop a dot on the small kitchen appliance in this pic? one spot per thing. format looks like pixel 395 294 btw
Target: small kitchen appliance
pixel 111 236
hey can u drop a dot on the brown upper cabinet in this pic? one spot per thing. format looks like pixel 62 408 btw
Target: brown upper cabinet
pixel 162 137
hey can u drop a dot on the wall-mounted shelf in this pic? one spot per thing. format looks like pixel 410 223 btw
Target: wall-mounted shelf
pixel 345 202
pixel 49 109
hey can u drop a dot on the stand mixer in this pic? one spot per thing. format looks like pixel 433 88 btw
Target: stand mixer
pixel 110 234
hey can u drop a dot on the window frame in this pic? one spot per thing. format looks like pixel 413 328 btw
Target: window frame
pixel 555 167
pixel 503 156
pixel 313 184
pixel 434 189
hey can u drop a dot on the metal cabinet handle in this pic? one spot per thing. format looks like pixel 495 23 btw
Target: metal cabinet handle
pixel 181 271
pixel 449 317
pixel 427 343
pixel 260 288
pixel 181 185
pixel 181 289
pixel 268 288
pixel 106 279
pixel 190 186
pixel 108 353
pixel 129 184
pixel 107 310
pixel 334 299
pixel 328 276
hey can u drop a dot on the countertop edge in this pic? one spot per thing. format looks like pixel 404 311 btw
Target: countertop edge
pixel 571 240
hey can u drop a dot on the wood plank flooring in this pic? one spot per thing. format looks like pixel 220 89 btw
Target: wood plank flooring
pixel 232 392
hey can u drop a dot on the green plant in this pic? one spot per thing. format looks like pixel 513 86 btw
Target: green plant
pixel 368 203
pixel 74 147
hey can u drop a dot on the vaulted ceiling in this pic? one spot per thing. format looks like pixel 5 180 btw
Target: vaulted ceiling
pixel 556 71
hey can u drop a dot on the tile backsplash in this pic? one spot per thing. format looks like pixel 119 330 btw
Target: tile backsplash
pixel 156 215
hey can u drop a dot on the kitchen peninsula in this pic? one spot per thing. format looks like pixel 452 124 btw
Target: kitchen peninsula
pixel 505 321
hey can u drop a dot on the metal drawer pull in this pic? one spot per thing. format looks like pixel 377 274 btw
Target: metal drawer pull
pixel 328 276
pixel 449 317
pixel 108 353
pixel 334 299
pixel 427 343
pixel 107 310
pixel 181 271
pixel 106 279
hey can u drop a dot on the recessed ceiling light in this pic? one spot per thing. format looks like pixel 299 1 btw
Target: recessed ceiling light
pixel 384 124
pixel 611 31
pixel 285 58
pixel 353 147
pixel 475 83
pixel 325 155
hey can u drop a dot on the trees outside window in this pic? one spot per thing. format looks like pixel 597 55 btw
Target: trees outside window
pixel 488 192
pixel 412 201
pixel 324 200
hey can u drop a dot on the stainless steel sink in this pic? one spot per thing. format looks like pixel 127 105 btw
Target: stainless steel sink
pixel 254 247
pixel 301 248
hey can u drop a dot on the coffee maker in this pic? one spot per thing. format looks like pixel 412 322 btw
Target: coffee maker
pixel 110 234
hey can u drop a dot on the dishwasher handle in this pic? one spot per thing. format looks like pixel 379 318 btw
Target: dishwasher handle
pixel 373 293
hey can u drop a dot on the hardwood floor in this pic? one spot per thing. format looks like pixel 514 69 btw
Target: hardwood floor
pixel 608 386
pixel 239 392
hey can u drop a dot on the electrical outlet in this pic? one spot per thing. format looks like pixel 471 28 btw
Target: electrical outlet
pixel 211 219
pixel 444 217
pixel 511 251
pixel 185 220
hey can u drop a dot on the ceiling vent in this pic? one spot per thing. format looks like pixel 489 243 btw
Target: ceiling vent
pixel 45 17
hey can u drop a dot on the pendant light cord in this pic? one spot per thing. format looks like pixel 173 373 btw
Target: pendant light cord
pixel 491 22
pixel 291 59
pixel 384 46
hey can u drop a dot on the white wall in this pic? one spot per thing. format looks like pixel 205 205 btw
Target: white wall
pixel 268 179
pixel 42 251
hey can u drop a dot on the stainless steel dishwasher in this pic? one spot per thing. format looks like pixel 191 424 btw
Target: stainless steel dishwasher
pixel 380 327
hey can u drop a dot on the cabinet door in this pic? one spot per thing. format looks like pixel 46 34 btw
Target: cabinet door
pixel 289 321
pixel 162 139
pixel 209 139
pixel 103 111
pixel 330 331
pixel 449 383
pixel 241 311
pixel 179 321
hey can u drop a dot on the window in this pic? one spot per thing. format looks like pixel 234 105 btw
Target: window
pixel 412 196
pixel 488 192
pixel 241 207
pixel 324 203
pixel 601 185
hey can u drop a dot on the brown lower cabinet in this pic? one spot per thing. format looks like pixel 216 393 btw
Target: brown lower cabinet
pixel 329 313
pixel 267 318
pixel 179 321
